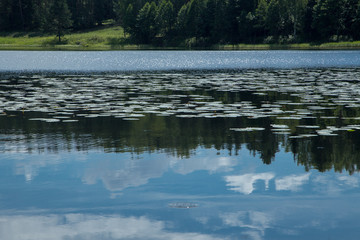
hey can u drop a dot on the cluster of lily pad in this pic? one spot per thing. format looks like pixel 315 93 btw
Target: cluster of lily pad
pixel 283 95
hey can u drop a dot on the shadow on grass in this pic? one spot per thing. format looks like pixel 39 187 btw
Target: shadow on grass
pixel 24 34
pixel 54 41
pixel 118 42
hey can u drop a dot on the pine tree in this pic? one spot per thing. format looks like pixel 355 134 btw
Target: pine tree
pixel 146 28
pixel 129 19
pixel 61 18
pixel 165 16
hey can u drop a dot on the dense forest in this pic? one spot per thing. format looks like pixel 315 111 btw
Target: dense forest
pixel 197 22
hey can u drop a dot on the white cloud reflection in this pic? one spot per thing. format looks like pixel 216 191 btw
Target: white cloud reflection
pixel 335 185
pixel 254 222
pixel 291 183
pixel 89 227
pixel 29 166
pixel 349 181
pixel 245 183
pixel 121 173
pixel 211 164
pixel 118 174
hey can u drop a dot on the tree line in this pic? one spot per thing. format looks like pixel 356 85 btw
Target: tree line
pixel 196 22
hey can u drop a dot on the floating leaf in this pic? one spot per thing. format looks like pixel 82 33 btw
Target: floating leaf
pixel 247 129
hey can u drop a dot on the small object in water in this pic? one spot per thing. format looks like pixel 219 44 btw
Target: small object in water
pixel 183 205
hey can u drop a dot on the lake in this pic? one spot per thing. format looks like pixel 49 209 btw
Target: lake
pixel 179 145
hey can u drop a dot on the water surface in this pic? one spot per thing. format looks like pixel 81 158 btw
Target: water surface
pixel 254 152
pixel 60 61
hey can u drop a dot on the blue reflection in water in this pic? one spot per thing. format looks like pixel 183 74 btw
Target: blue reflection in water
pixel 96 195
pixel 172 60
pixel 56 186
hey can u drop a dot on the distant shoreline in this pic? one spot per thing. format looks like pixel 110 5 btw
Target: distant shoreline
pixel 228 47
pixel 109 38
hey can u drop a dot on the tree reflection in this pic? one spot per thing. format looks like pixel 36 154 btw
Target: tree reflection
pixel 179 137
pixel 325 153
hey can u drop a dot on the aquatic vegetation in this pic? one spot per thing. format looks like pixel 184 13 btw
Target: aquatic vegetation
pixel 176 112
pixel 295 95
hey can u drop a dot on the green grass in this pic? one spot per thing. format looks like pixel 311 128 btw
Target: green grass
pixel 100 38
pixel 111 37
pixel 297 46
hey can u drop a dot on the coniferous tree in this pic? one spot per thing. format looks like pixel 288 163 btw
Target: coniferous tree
pixel 194 23
pixel 129 19
pixel 60 18
pixel 355 26
pixel 165 16
pixel 5 13
pixel 348 17
pixel 12 14
pixel 232 13
pixel 260 17
pixel 99 11
pixel 308 31
pixel 327 18
pixel 41 15
pixel 211 21
pixel 146 28
pixel 182 20
pixel 214 20
pixel 273 18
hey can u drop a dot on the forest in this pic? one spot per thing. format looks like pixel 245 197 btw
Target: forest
pixel 196 22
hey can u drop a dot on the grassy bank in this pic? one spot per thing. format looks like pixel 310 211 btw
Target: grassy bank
pixel 100 38
pixel 112 38
pixel 298 46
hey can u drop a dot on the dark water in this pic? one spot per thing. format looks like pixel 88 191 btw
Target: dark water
pixel 236 154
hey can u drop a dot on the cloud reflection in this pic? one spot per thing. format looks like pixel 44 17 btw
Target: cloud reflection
pixel 254 222
pixel 292 182
pixel 89 227
pixel 335 185
pixel 119 174
pixel 29 166
pixel 245 183
pixel 211 164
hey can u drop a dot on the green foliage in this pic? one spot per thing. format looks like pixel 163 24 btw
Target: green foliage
pixel 355 26
pixel 165 16
pixel 307 30
pixel 214 20
pixel 60 18
pixel 146 27
pixel 296 10
pixel 275 18
pixel 181 20
pixel 129 19
pixel 260 13
pixel 198 21
pixel 327 18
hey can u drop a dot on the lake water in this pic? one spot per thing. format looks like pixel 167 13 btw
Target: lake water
pixel 172 60
pixel 179 145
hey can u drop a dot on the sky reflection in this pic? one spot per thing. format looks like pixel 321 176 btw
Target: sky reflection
pixel 238 197
pixel 90 227
pixel 108 157
pixel 119 171
pixel 83 61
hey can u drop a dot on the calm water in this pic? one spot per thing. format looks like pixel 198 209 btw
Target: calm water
pixel 59 61
pixel 263 146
